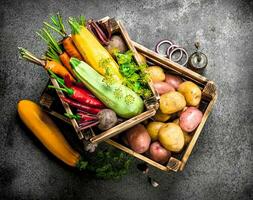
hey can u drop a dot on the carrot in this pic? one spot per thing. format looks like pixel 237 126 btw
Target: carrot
pixel 54 50
pixel 64 57
pixel 57 68
pixel 53 65
pixel 69 46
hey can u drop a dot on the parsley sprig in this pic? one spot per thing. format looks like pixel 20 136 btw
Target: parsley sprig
pixel 110 164
pixel 135 76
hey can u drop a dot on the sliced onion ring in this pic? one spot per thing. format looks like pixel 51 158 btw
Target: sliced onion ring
pixel 159 45
pixel 182 50
pixel 170 49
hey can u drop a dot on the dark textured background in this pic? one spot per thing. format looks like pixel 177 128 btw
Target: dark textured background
pixel 221 166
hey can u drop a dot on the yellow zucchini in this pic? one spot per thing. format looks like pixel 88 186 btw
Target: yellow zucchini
pixel 48 133
pixel 93 52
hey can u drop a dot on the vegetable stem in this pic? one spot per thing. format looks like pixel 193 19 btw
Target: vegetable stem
pixel 75 26
pixel 67 90
pixel 50 40
pixel 30 57
pixel 75 62
pixel 54 28
pixel 58 25
pixel 59 80
pixel 52 55
pixel 72 116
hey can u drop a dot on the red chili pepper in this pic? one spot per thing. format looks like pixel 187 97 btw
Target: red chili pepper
pixel 82 96
pixel 77 93
pixel 68 83
pixel 80 85
pixel 81 106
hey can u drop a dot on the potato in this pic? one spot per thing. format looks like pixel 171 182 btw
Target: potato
pixel 158 153
pixel 116 43
pixel 160 117
pixel 153 129
pixel 163 87
pixel 191 92
pixel 172 102
pixel 173 80
pixel 138 138
pixel 171 137
pixel 156 73
pixel 190 119
pixel 187 136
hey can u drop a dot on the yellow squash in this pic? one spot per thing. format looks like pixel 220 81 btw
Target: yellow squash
pixel 47 132
pixel 93 52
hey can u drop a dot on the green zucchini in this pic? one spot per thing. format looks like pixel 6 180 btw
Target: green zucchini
pixel 115 96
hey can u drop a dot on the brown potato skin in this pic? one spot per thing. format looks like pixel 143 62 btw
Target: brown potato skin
pixel 163 87
pixel 156 73
pixel 190 119
pixel 172 102
pixel 138 138
pixel 191 92
pixel 158 153
pixel 173 80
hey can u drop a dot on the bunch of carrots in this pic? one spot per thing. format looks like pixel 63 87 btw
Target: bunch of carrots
pixel 58 54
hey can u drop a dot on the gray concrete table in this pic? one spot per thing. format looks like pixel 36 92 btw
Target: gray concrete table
pixel 222 162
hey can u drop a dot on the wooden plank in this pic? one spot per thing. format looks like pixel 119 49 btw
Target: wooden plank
pixel 197 132
pixel 169 64
pixel 137 155
pixel 67 108
pixel 123 126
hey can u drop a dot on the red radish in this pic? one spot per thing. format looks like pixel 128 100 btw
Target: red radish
pixel 158 153
pixel 190 119
pixel 163 87
pixel 173 80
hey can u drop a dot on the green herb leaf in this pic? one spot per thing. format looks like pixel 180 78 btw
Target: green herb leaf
pixel 135 76
pixel 110 164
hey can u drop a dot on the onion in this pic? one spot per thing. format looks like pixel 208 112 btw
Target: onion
pixel 160 44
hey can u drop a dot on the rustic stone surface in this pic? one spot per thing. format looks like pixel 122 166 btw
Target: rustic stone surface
pixel 221 164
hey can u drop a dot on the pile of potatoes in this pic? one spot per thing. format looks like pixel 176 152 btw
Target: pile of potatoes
pixel 177 117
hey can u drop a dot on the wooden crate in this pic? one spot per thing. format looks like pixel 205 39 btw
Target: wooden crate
pixel 209 96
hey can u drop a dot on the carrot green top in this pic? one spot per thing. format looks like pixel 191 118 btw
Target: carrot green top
pixel 76 24
pixel 57 24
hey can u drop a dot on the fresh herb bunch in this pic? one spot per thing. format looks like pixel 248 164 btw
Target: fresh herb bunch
pixel 110 164
pixel 135 76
